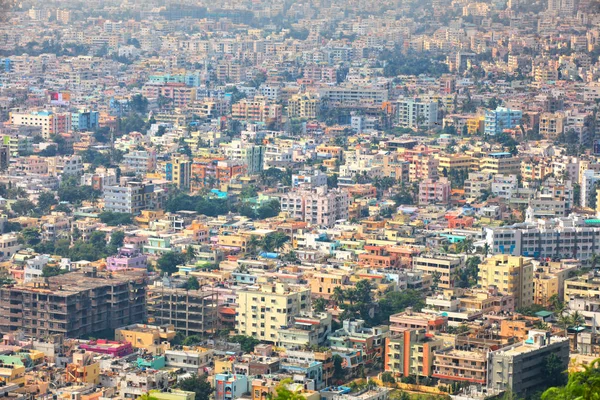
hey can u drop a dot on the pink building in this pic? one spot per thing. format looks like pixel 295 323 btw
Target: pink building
pixel 129 257
pixel 103 346
pixel 434 191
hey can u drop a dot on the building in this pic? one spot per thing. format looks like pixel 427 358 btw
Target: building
pixel 434 191
pixel 557 238
pixel 85 120
pixel 496 121
pixel 549 280
pixel 250 154
pixel 306 329
pixel 128 257
pixel 410 352
pixel 520 367
pixel 133 197
pixel 193 312
pixel 49 122
pixel 444 266
pixel 416 113
pixel 179 171
pixel 303 106
pixel 140 161
pixel 511 275
pixel 336 95
pixel 317 206
pixel 145 337
pixel 265 308
pixel 230 386
pixel 452 365
pixel 500 163
pixel 81 303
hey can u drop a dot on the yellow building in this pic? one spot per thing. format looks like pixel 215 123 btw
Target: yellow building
pixel 587 285
pixel 323 284
pixel 456 161
pixel 264 310
pixel 475 125
pixel 147 337
pixel 172 394
pixel 10 373
pixel 179 171
pixel 303 106
pixel 512 275
pixel 549 280
pixel 233 241
pixel 500 163
pixel 83 369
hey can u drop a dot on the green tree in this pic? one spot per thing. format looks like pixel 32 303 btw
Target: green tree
pixel 22 207
pixel 192 283
pixel 197 384
pixel 168 262
pixel 46 200
pixel 319 304
pixel 247 342
pixel 190 254
pixel 388 379
pixel 581 385
pixel 338 368
pixel 283 393
pixel 30 236
pixel 115 219
pixel 554 371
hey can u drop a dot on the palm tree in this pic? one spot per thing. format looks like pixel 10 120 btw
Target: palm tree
pixel 594 260
pixel 252 244
pixel 279 240
pixel 577 320
pixel 564 320
pixel 467 246
pixel 190 254
pixel 338 295
pixel 486 249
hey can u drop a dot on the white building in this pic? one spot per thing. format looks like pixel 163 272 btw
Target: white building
pixel 414 113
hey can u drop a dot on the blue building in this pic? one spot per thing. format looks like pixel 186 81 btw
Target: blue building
pixel 85 120
pixel 501 118
pixel 230 386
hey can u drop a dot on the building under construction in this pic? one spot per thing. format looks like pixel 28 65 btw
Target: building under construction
pixel 192 312
pixel 76 304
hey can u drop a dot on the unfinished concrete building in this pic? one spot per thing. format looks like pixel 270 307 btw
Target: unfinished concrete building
pixel 76 304
pixel 192 312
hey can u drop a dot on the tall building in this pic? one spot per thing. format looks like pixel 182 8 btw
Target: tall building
pixel 410 352
pixel 262 311
pixel 133 197
pixel 511 275
pixel 445 265
pixel 318 206
pixel 85 120
pixel 520 367
pixel 192 312
pixel 179 171
pixel 303 106
pixel 416 113
pixel 249 153
pixel 76 304
pixel 501 118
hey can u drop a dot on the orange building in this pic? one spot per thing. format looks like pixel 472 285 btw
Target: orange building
pixel 379 257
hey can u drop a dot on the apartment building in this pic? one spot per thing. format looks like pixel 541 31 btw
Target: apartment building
pixel 511 275
pixel 453 365
pixel 552 124
pixel 192 312
pixel 303 106
pixel 317 206
pixel 74 304
pixel 500 163
pixel 434 191
pixel 265 308
pixel 549 280
pixel 501 118
pixel 140 161
pixel 557 238
pixel 250 154
pixel 307 329
pixel 353 95
pixel 258 110
pixel 179 171
pixel 410 352
pixel 416 113
pixel 446 267
pixel 49 122
pixel 520 367
pixel 477 184
pixel 133 197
